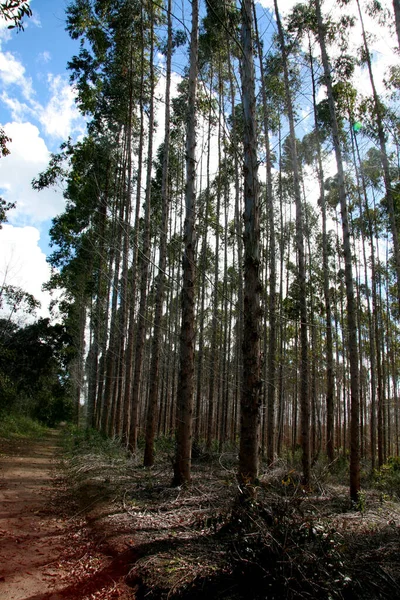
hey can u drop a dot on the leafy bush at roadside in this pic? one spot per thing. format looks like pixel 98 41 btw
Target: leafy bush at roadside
pixel 20 426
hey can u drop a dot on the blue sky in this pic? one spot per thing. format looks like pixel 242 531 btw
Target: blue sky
pixel 38 112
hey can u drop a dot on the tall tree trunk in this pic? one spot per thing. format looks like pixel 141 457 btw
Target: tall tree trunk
pixel 251 392
pixel 156 346
pixel 272 341
pixel 203 285
pixel 224 354
pixel 304 367
pixel 125 284
pixel 182 465
pixel 116 421
pixel 330 383
pixel 145 261
pixel 79 360
pixel 351 305
pixel 98 319
pixel 110 361
pixel 282 329
pixel 239 240
pixel 130 349
pixel 213 360
pixel 372 314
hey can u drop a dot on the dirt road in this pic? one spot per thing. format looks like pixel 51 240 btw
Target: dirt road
pixel 47 551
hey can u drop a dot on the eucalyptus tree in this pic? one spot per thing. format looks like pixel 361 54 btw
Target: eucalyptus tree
pixel 365 227
pixel 251 387
pixel 304 362
pixel 130 344
pixel 351 304
pixel 375 218
pixel 312 146
pixel 214 54
pixel 114 39
pixel 14 11
pixel 273 119
pixel 185 391
pixel 145 254
pixel 272 340
pixel 152 411
pixel 379 115
pixel 79 236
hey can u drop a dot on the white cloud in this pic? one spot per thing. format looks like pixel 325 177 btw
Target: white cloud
pixel 12 72
pixel 20 111
pixel 160 105
pixel 60 116
pixel 5 33
pixel 44 57
pixel 23 263
pixel 28 156
pixel 35 19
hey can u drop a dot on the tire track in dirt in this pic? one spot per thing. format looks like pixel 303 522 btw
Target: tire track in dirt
pixel 46 552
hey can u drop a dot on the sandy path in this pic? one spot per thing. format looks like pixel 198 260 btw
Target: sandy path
pixel 45 554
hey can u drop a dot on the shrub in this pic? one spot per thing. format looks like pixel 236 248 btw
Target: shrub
pixel 14 425
pixel 387 478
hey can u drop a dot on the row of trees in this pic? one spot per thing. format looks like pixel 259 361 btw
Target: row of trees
pixel 280 325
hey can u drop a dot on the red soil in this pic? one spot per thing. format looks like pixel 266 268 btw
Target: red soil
pixel 47 551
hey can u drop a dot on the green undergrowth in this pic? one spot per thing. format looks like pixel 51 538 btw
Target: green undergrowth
pixel 17 426
pixel 387 478
pixel 79 442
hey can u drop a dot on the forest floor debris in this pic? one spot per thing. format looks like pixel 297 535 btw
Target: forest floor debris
pixel 192 542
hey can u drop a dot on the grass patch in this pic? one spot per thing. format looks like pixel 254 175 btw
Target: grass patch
pixel 15 426
pixel 81 442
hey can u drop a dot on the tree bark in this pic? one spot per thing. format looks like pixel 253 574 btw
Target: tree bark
pixel 145 260
pixel 156 345
pixel 396 8
pixel 182 465
pixel 251 392
pixel 304 367
pixel 351 305
pixel 272 341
